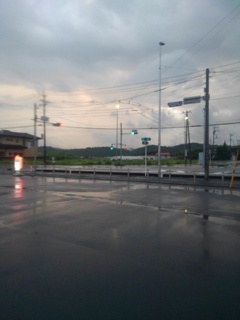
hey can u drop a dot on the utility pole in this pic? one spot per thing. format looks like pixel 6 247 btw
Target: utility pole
pixel 215 130
pixel 231 135
pixel 160 108
pixel 206 136
pixel 187 151
pixel 44 119
pixel 117 107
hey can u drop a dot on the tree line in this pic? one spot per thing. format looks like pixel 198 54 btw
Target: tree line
pixel 222 152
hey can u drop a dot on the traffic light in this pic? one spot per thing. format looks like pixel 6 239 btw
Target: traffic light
pixel 111 148
pixel 58 124
pixel 134 132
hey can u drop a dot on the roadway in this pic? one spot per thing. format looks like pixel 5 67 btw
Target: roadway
pixel 85 249
pixel 178 174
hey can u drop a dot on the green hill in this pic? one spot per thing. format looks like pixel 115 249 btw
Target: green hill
pixel 101 152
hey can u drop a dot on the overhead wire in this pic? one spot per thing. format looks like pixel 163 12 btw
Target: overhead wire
pixel 202 38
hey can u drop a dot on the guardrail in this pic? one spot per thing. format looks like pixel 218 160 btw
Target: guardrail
pixel 190 178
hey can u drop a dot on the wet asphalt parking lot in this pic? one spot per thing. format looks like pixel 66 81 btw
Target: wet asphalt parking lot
pixel 83 249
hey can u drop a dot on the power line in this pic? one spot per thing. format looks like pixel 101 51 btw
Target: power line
pixel 139 128
pixel 203 37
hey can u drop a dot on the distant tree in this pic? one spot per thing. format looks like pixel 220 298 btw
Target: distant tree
pixel 223 152
pixel 195 153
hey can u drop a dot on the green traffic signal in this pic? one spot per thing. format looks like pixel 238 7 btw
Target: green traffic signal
pixel 111 148
pixel 134 132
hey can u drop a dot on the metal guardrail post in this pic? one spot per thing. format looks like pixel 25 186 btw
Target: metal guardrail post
pixel 170 175
pixel 110 174
pixel 194 178
pixel 79 173
pixel 94 173
pixel 66 172
pixel 223 177
pixel 128 174
pixel 147 175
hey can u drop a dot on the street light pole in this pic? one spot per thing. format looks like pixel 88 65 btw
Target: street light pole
pixel 35 138
pixel 159 109
pixel 121 134
pixel 117 107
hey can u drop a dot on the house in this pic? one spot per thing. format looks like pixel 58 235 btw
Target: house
pixel 164 155
pixel 13 143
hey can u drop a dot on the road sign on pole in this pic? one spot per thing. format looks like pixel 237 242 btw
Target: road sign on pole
pixel 191 100
pixel 146 159
pixel 146 139
pixel 175 104
pixel 44 119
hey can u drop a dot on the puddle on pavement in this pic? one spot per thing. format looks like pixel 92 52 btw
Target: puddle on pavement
pixel 84 195
pixel 106 196
pixel 219 191
pixel 183 210
pixel 134 186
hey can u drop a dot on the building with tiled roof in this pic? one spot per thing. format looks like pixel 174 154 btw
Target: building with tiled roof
pixel 13 143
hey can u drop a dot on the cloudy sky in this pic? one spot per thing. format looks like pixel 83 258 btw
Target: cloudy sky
pixel 87 56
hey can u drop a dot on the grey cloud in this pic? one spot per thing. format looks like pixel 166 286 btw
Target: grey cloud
pixel 67 45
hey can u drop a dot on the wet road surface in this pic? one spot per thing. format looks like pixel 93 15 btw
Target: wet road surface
pixel 114 250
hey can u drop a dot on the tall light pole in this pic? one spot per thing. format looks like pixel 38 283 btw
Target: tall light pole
pixel 35 138
pixel 159 108
pixel 117 107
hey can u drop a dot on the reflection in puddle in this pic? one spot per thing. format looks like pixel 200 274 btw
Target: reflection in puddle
pixel 18 188
pixel 175 188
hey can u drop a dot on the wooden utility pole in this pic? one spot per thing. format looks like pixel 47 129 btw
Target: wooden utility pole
pixel 215 130
pixel 187 151
pixel 206 142
pixel 44 119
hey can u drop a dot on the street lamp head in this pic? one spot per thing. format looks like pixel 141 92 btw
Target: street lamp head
pixel 161 43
